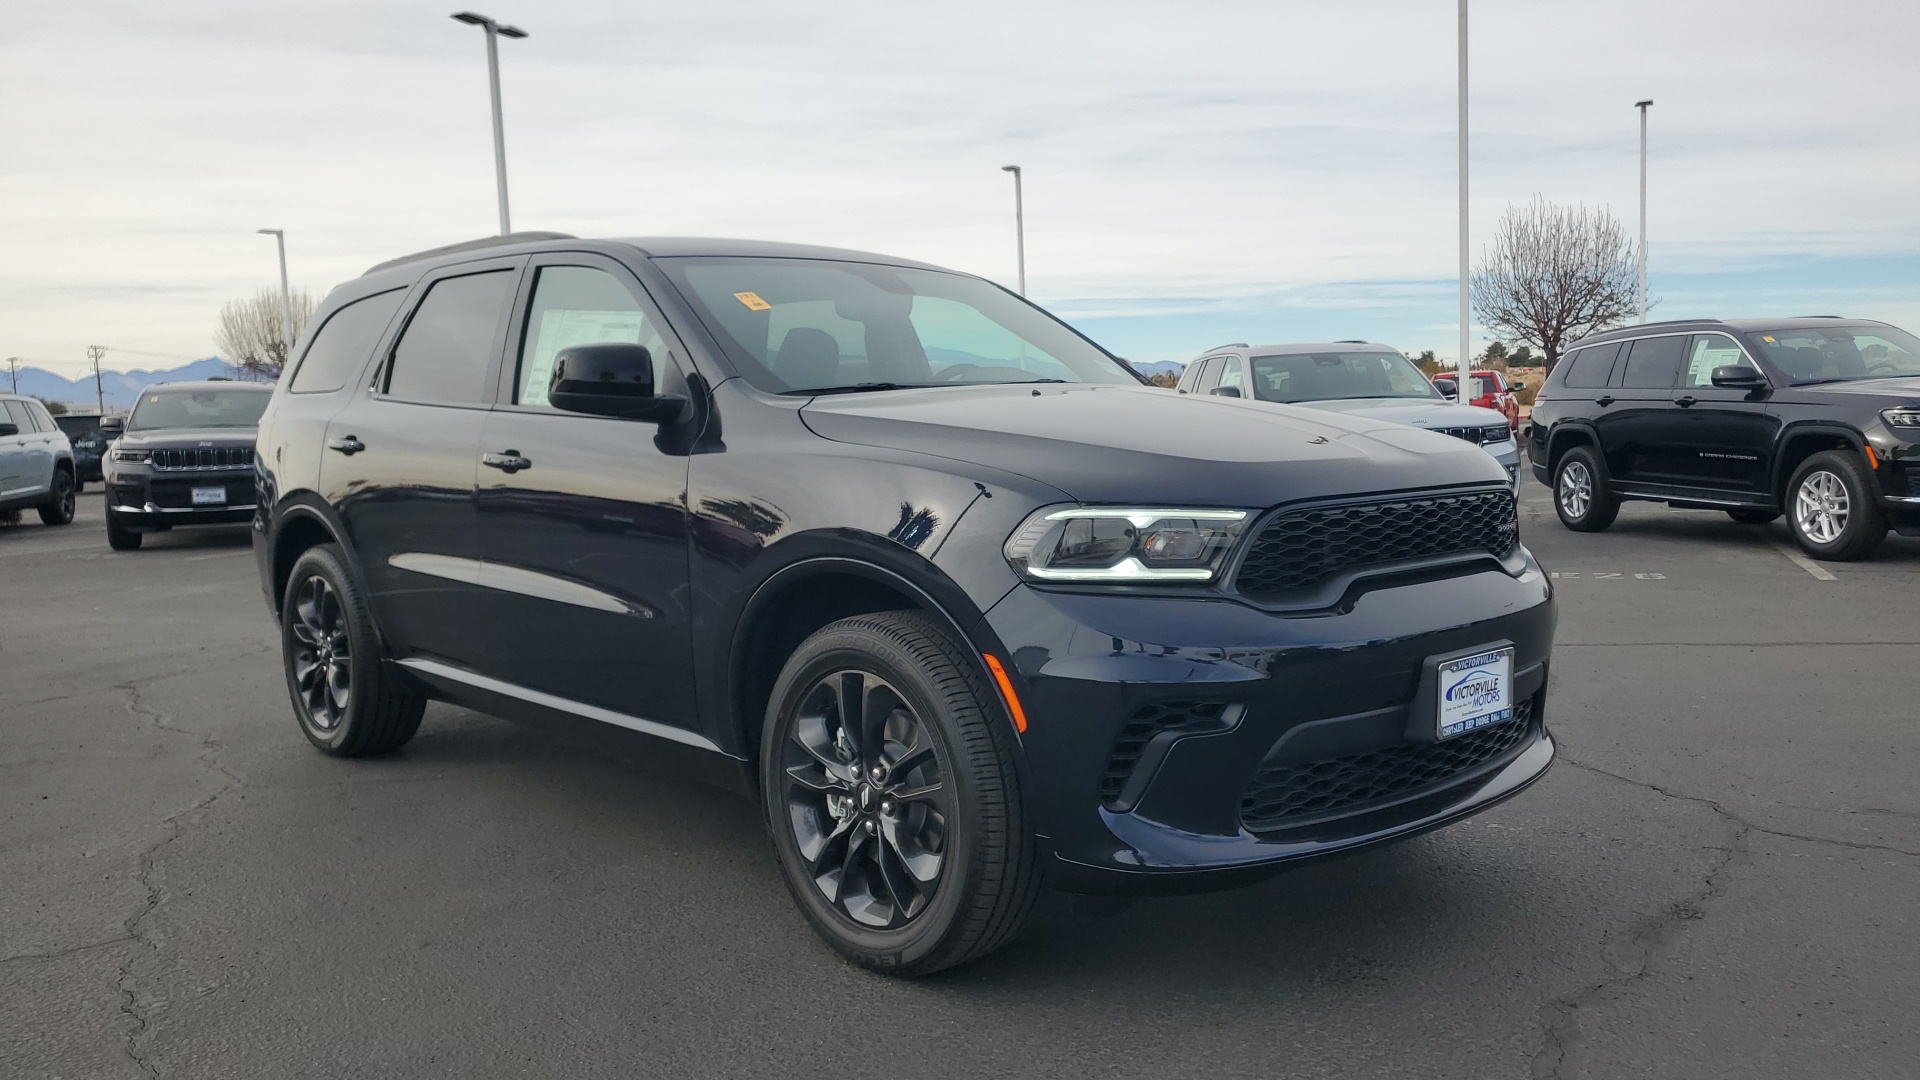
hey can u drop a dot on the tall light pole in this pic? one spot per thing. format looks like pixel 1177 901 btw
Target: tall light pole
pixel 1019 225
pixel 94 353
pixel 1465 328
pixel 13 363
pixel 495 31
pixel 286 296
pixel 1642 106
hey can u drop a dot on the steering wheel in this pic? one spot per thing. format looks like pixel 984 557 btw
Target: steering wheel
pixel 954 371
pixel 1886 366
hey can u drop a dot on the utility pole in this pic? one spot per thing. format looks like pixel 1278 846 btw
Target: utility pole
pixel 1642 106
pixel 495 31
pixel 1019 225
pixel 13 362
pixel 1465 328
pixel 286 296
pixel 94 353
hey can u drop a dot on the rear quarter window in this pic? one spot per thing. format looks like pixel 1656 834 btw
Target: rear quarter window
pixel 1588 368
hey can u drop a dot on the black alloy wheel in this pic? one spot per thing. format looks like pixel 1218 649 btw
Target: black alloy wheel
pixel 888 784
pixel 348 700
pixel 1580 493
pixel 58 510
pixel 1833 507
pixel 867 797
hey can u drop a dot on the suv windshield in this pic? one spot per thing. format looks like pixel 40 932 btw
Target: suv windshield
pixel 199 408
pixel 796 325
pixel 1331 376
pixel 1844 351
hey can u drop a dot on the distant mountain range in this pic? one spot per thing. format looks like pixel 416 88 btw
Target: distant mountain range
pixel 120 389
pixel 1159 367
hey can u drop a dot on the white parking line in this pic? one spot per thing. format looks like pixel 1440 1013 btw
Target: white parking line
pixel 1799 558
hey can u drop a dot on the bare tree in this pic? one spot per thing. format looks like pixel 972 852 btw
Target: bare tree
pixel 1555 274
pixel 253 332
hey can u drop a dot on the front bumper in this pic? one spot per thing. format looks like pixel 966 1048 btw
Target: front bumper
pixel 161 499
pixel 1255 696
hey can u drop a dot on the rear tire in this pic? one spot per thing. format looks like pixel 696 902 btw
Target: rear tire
pixel 58 509
pixel 888 784
pixel 348 700
pixel 1833 508
pixel 119 537
pixel 1580 493
pixel 1754 517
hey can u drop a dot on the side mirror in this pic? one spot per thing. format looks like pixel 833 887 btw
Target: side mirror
pixel 610 379
pixel 1738 377
pixel 8 427
pixel 1225 391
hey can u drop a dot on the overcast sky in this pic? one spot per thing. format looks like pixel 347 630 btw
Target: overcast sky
pixel 1196 172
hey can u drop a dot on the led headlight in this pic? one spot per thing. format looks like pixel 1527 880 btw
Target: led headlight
pixel 131 455
pixel 1123 545
pixel 1907 418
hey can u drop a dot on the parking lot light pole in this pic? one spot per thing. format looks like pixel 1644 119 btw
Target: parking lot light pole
pixel 1019 225
pixel 1465 327
pixel 13 363
pixel 495 31
pixel 286 295
pixel 1642 106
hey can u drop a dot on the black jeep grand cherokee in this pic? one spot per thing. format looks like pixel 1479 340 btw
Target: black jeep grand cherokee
pixel 961 602
pixel 184 458
pixel 1816 418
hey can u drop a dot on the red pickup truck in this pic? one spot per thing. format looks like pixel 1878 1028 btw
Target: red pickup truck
pixel 1488 390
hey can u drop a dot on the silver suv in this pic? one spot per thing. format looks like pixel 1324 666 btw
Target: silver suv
pixel 36 461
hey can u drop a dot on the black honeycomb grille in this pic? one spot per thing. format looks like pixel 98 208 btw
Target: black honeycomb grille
pixel 1142 726
pixel 206 457
pixel 1302 548
pixel 1283 795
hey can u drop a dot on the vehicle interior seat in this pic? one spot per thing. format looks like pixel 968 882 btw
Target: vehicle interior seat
pixel 808 357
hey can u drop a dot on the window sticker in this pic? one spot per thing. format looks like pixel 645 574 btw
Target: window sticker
pixel 560 328
pixel 752 301
pixel 1768 338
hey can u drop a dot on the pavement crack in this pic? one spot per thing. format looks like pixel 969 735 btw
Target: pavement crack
pixel 1632 960
pixel 55 954
pixel 132 1006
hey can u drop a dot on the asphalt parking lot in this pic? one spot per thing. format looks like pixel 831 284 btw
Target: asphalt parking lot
pixel 1718 879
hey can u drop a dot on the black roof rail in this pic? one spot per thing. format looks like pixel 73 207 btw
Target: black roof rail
pixel 1819 316
pixel 469 245
pixel 1353 341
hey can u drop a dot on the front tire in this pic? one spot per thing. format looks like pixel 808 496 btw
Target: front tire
pixel 58 509
pixel 119 537
pixel 1753 517
pixel 1580 493
pixel 348 700
pixel 1833 508
pixel 889 787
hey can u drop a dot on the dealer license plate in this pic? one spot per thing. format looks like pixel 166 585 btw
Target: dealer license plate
pixel 209 496
pixel 1475 692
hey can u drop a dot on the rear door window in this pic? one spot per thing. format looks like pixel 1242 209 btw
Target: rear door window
pixel 341 349
pixel 17 414
pixel 445 352
pixel 1654 363
pixel 1588 368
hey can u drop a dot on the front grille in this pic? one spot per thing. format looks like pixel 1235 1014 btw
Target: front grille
pixel 1281 796
pixel 178 494
pixel 1479 436
pixel 1142 726
pixel 206 457
pixel 1298 549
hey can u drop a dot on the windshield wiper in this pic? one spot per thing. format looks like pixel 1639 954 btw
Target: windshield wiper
pixel 856 388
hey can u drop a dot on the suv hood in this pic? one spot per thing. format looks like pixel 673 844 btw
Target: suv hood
pixel 1891 387
pixel 1426 414
pixel 187 437
pixel 1119 444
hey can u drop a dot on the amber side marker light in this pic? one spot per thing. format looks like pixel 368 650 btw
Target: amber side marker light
pixel 1873 459
pixel 1006 692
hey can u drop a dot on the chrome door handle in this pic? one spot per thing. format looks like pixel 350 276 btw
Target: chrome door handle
pixel 347 444
pixel 508 461
pixel 1685 401
pixel 1603 400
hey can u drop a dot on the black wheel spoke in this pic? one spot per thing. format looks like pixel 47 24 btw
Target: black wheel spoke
pixel 900 885
pixel 850 693
pixel 934 792
pixel 815 776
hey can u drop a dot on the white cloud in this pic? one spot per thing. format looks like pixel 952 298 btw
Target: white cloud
pixel 1177 155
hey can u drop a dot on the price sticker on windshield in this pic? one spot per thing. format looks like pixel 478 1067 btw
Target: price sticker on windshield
pixel 1475 692
pixel 753 301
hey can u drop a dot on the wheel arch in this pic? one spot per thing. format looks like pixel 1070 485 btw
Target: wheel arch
pixel 802 596
pixel 1565 436
pixel 1801 441
pixel 300 522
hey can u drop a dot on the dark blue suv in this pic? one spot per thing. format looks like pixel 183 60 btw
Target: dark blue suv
pixel 964 605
